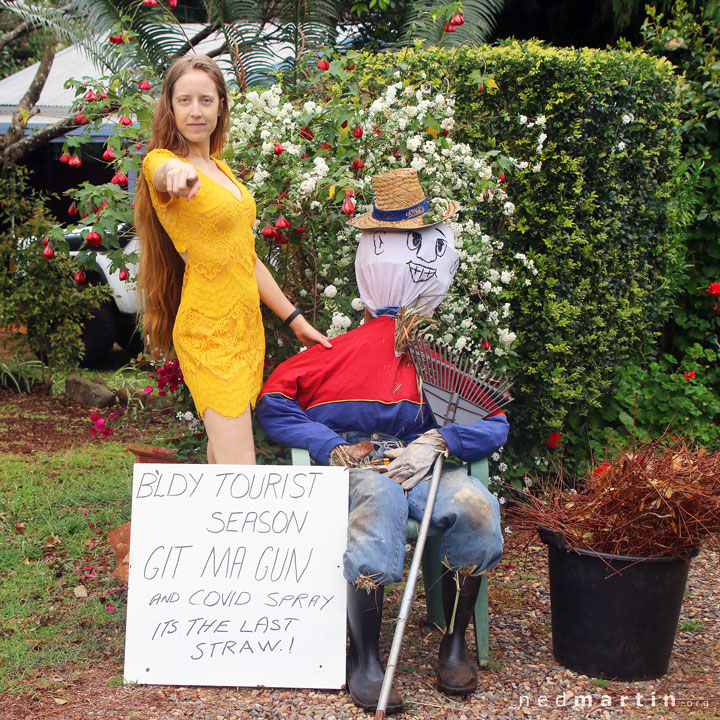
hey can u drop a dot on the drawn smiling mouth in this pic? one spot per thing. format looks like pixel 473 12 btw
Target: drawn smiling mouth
pixel 421 273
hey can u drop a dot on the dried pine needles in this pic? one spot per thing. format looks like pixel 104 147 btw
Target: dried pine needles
pixel 656 500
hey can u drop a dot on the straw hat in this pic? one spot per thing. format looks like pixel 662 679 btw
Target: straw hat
pixel 400 202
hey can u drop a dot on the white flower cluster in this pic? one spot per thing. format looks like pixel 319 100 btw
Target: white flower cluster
pixel 303 150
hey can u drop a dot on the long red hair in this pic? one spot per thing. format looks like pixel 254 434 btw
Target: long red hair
pixel 161 269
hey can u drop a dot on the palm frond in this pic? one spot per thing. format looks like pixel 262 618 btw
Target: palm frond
pixel 480 18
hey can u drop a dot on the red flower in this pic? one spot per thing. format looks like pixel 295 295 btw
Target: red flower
pixel 93 238
pixel 269 232
pixel 299 230
pixel 458 19
pixel 279 148
pixel 20 527
pixel 48 252
pixel 124 120
pixel 280 239
pixel 323 64
pixel 123 274
pixel 74 161
pixel 601 469
pixel 306 133
pixel 150 3
pixel 348 206
pixel 304 156
pixel 79 276
pixel 449 27
pixel 72 210
pixel 349 192
pixel 172 3
pixel 144 85
pixel 325 146
pixel 108 155
pixel 357 132
pixel 282 223
pixel 553 440
pixel 485 345
pixel 65 158
pixel 358 164
pixel 119 179
pixel 501 177
pixel 90 95
pixel 116 39
pixel 714 289
pixel 689 375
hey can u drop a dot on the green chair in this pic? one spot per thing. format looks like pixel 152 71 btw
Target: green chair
pixel 432 567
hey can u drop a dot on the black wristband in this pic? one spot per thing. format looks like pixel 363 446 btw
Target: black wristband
pixel 292 316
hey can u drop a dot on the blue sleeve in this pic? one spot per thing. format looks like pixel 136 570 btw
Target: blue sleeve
pixel 287 423
pixel 476 441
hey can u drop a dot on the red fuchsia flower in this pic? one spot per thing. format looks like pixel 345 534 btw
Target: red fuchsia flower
pixel 282 223
pixel 269 232
pixel 119 179
pixel 279 148
pixel 144 85
pixel 306 133
pixel 485 344
pixel 323 64
pixel 689 375
pixel 103 95
pixel 358 164
pixel 74 161
pixel 65 158
pixel 349 192
pixel 48 252
pixel 449 27
pixel 72 210
pixel 357 132
pixel 45 241
pixel 90 95
pixel 501 177
pixel 124 120
pixel 93 238
pixel 348 206
pixel 714 289
pixel 457 19
pixel 79 276
pixel 553 440
pixel 123 274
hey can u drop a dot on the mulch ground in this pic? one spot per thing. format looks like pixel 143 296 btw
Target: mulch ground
pixel 522 681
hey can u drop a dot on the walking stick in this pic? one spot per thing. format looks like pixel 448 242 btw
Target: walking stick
pixel 452 388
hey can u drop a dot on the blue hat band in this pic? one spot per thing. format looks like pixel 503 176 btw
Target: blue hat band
pixel 399 215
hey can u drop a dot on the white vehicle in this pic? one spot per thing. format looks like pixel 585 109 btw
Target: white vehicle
pixel 115 321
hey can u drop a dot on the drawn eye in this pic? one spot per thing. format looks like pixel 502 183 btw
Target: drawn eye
pixel 440 246
pixel 414 241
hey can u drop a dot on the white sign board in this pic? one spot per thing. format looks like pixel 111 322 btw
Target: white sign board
pixel 236 576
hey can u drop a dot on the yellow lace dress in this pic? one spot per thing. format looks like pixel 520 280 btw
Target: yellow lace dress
pixel 218 333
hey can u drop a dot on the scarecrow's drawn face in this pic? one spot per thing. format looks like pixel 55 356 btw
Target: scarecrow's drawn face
pixel 406 267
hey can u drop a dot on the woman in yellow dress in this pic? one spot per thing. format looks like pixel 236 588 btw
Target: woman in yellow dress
pixel 199 280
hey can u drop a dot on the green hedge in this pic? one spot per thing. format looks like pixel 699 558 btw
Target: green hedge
pixel 596 217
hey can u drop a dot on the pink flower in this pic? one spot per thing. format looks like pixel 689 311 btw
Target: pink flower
pixel 148 389
pixel 110 608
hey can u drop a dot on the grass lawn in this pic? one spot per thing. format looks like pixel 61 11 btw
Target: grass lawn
pixel 58 600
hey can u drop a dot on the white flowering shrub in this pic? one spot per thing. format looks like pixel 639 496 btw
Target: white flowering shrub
pixel 309 166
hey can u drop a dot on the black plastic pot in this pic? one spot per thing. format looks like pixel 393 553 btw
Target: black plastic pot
pixel 613 616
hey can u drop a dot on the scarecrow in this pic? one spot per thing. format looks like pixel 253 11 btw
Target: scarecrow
pixel 360 402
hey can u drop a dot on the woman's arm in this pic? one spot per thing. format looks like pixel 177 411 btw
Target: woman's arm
pixel 273 297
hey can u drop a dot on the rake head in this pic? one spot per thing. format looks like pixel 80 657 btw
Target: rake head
pixel 456 388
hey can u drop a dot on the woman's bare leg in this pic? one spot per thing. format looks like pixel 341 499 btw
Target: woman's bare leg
pixel 230 440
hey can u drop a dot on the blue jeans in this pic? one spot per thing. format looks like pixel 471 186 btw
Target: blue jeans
pixel 465 510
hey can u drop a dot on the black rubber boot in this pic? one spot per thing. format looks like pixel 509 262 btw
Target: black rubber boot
pixel 364 671
pixel 457 673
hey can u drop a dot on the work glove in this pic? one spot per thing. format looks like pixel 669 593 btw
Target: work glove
pixel 413 462
pixel 351 455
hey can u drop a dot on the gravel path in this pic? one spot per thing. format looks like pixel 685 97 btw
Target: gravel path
pixel 522 681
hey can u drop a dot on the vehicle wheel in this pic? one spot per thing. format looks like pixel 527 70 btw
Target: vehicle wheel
pixel 98 336
pixel 129 339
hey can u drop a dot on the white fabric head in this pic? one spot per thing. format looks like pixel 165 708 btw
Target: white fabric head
pixel 405 268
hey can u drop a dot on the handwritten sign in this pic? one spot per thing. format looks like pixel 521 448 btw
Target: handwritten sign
pixel 236 576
